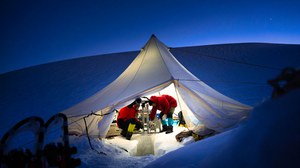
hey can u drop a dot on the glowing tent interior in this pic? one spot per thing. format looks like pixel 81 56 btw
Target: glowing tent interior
pixel 153 70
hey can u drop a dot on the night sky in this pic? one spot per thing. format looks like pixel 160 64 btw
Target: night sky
pixel 36 32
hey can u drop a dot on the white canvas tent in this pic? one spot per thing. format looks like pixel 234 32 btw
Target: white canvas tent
pixel 154 69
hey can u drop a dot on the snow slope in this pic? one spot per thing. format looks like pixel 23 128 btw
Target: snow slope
pixel 239 71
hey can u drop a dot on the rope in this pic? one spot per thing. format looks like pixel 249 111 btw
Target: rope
pixel 230 60
pixel 252 83
pixel 87 133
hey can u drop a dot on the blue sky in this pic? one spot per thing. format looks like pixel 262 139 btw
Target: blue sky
pixel 37 32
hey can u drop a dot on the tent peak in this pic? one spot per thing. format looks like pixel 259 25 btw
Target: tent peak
pixel 153 37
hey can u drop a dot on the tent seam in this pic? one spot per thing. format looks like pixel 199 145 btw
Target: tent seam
pixel 133 76
pixel 172 78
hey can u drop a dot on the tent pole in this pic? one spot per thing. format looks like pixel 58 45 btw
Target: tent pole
pixel 176 90
pixel 147 118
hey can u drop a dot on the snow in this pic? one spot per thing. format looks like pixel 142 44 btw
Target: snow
pixel 114 156
pixel 137 152
pixel 270 138
pixel 152 143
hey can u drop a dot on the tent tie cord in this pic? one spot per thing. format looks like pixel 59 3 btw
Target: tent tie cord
pixel 231 60
pixel 92 113
pixel 87 133
pixel 252 83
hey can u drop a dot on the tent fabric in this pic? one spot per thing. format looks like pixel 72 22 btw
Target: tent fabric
pixel 152 70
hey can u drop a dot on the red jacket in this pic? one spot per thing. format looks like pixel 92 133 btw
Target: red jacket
pixel 127 113
pixel 163 103
pixel 171 100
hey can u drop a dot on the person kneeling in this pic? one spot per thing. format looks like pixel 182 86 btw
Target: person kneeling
pixel 127 119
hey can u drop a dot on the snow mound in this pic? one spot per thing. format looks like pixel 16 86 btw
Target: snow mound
pixel 270 138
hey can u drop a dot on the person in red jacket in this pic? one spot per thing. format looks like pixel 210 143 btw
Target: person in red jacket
pixel 127 119
pixel 166 104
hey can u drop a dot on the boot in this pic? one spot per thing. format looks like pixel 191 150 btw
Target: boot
pixel 169 129
pixel 123 133
pixel 128 135
pixel 165 128
pixel 130 130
